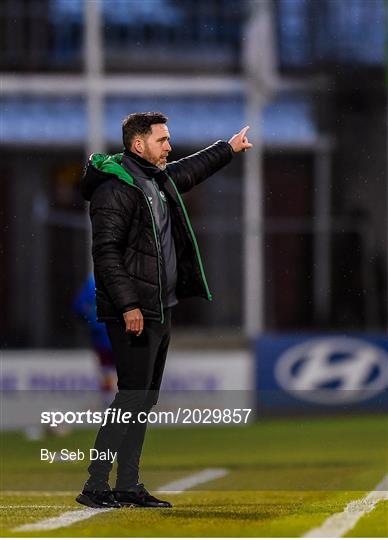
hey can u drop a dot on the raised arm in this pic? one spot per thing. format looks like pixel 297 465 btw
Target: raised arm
pixel 194 169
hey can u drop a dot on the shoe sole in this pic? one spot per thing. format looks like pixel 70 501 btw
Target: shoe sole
pixel 86 501
pixel 130 505
pixel 134 505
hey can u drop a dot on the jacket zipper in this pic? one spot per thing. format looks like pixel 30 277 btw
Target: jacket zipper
pixel 195 243
pixel 157 249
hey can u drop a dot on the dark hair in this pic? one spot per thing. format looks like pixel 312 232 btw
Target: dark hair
pixel 140 124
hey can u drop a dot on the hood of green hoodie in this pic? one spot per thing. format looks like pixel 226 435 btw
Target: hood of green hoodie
pixel 98 170
pixel 111 164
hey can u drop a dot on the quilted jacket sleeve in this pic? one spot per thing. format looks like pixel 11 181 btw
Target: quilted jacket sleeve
pixel 111 213
pixel 194 169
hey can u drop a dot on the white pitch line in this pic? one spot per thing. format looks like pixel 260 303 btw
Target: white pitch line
pixel 68 518
pixel 64 520
pixel 26 493
pixel 339 524
pixel 193 480
pixel 9 506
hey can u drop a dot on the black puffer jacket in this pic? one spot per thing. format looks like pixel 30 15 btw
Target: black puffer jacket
pixel 126 249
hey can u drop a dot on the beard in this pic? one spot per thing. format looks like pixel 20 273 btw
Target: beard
pixel 154 160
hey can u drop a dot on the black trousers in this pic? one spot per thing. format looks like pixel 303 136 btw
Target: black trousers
pixel 140 364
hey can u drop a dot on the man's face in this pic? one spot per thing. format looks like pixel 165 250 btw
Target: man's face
pixel 157 146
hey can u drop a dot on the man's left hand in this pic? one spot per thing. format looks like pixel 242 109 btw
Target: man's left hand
pixel 239 142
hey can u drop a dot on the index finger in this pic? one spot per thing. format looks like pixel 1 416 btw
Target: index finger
pixel 141 326
pixel 244 130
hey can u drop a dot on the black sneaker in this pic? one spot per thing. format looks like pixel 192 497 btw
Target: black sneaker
pixel 98 499
pixel 139 496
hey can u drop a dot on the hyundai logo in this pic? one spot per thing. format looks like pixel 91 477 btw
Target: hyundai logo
pixel 333 370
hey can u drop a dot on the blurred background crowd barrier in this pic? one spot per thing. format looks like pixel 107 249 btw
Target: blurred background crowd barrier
pixel 293 233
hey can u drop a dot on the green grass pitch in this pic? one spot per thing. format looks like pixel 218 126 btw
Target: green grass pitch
pixel 284 478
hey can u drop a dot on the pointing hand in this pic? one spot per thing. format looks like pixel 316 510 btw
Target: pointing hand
pixel 239 142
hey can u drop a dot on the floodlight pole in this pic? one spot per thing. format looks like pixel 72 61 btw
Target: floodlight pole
pixel 253 221
pixel 259 67
pixel 93 67
pixel 95 96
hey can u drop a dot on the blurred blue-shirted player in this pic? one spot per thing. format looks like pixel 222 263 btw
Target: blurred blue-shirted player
pixel 85 306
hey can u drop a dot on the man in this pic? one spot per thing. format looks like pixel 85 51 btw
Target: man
pixel 146 259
